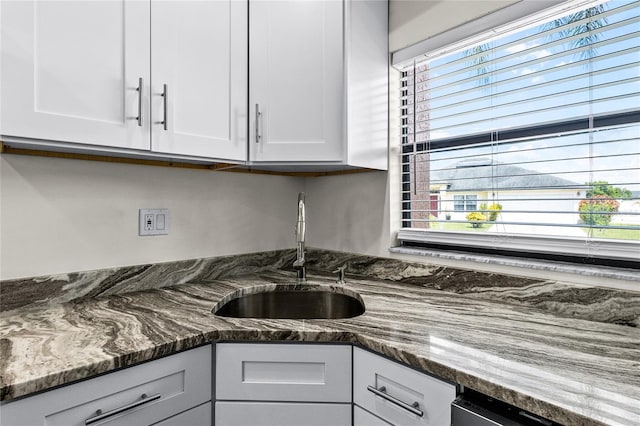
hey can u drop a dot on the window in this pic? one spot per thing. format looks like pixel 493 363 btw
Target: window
pixel 465 202
pixel 531 138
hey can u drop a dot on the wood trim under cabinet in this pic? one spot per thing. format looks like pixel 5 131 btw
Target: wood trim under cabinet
pixel 222 167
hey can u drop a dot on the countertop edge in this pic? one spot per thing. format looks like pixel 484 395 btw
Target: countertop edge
pixel 627 276
pixel 421 364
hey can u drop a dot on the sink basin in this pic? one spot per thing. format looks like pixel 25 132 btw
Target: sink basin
pixel 292 302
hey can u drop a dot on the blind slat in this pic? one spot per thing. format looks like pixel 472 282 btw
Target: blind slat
pixel 538 86
pixel 537 133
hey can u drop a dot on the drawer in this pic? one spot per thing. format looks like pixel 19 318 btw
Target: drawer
pixel 283 372
pixel 282 414
pixel 402 385
pixel 171 385
pixel 198 416
pixel 365 418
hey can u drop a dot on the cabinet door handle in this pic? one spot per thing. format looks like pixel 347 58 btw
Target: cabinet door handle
pixel 140 96
pixel 382 393
pixel 165 96
pixel 100 415
pixel 258 121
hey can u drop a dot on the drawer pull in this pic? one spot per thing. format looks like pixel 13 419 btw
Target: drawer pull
pixel 165 100
pixel 101 416
pixel 382 393
pixel 140 96
pixel 258 120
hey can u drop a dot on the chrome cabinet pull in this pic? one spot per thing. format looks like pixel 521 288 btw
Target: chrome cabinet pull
pixel 103 415
pixel 258 119
pixel 382 393
pixel 140 95
pixel 165 96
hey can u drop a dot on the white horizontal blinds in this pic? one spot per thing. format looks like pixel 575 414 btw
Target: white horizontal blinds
pixel 518 135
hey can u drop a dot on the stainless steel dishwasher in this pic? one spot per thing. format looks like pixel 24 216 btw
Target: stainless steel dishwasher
pixel 475 409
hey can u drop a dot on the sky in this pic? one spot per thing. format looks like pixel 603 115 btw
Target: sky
pixel 542 78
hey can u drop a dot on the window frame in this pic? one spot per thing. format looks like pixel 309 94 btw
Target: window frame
pixel 604 252
pixel 469 202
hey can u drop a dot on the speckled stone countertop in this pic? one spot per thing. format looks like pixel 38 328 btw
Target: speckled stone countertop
pixel 504 336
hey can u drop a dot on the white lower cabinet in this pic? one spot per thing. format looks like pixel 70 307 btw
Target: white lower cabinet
pixel 365 418
pixel 282 414
pixel 255 384
pixel 140 395
pixel 283 384
pixel 398 394
pixel 283 372
pixel 197 416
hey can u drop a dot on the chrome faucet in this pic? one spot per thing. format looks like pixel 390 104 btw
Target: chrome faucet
pixel 300 262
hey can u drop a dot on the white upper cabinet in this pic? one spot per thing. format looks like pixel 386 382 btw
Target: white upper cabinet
pixel 296 80
pixel 70 71
pixel 303 57
pixel 282 84
pixel 199 56
pixel 367 74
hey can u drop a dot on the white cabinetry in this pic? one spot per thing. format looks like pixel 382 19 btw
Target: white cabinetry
pixel 89 76
pixel 365 418
pixel 167 388
pixel 307 82
pixel 318 82
pixel 398 394
pixel 296 80
pixel 70 70
pixel 280 384
pixel 198 416
pixel 282 414
pixel 199 56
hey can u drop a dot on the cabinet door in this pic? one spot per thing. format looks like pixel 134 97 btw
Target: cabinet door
pixel 199 54
pixel 282 414
pixel 198 416
pixel 136 396
pixel 283 372
pixel 398 394
pixel 365 418
pixel 70 71
pixel 296 81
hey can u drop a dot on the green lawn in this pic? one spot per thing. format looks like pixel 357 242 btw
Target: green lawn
pixel 617 234
pixel 465 226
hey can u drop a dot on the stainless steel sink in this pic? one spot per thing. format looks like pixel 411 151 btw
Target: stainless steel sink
pixel 292 302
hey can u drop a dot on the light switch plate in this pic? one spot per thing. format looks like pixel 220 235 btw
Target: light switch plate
pixel 153 222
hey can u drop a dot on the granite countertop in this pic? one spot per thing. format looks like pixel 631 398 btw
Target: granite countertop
pixel 506 344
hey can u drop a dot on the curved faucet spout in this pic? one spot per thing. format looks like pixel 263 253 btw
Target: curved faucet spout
pixel 300 262
pixel 300 225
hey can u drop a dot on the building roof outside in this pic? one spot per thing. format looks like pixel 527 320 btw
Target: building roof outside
pixel 484 175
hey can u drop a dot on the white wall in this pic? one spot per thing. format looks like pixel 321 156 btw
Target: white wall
pixel 69 215
pixel 349 213
pixel 411 21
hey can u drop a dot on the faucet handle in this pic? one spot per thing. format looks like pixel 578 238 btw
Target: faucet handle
pixel 340 272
